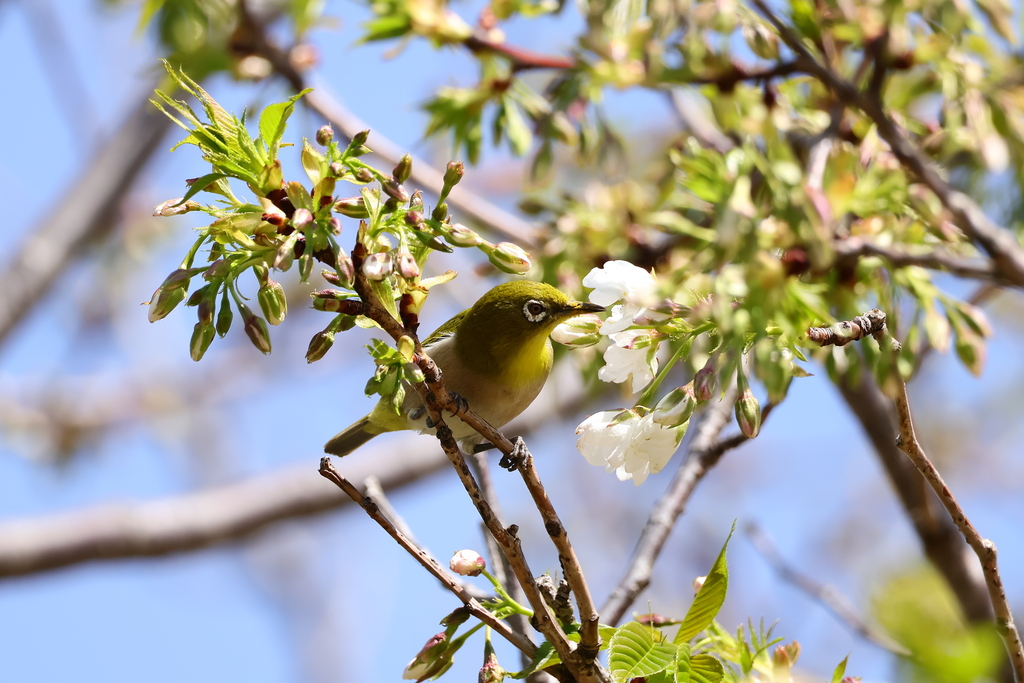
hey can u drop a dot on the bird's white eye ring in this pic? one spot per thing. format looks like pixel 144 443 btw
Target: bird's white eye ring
pixel 535 311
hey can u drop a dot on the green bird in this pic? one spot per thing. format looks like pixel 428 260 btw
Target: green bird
pixel 496 355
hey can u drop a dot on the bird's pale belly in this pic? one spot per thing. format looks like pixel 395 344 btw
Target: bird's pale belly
pixel 496 403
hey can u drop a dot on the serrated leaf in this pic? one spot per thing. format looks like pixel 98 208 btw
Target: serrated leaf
pixel 706 669
pixel 634 651
pixel 274 119
pixel 681 670
pixel 709 598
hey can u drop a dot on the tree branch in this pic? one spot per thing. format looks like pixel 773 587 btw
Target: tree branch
pixel 978 269
pixel 328 471
pixel 907 442
pixel 83 214
pixel 196 520
pixel 1006 252
pixel 704 452
pixel 831 599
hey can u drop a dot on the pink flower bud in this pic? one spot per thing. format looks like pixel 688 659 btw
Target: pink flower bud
pixel 748 414
pixel 431 661
pixel 377 266
pixel 353 207
pixel 174 207
pixel 301 218
pixel 324 135
pixel 704 383
pixel 407 266
pixel 467 563
pixel 510 258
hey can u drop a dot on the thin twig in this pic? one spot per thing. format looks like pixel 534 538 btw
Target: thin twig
pixel 375 492
pixel 704 452
pixel 329 472
pixel 984 548
pixel 438 401
pixel 935 259
pixel 907 441
pixel 830 598
pixel 590 641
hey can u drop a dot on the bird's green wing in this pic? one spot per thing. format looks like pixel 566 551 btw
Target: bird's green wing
pixel 447 329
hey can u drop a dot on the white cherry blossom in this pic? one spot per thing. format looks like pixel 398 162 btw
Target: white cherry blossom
pixel 623 363
pixel 623 442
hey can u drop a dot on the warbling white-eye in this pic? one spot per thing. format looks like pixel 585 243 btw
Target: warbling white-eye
pixel 496 355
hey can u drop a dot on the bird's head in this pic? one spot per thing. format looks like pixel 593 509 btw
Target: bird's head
pixel 525 309
pixel 513 319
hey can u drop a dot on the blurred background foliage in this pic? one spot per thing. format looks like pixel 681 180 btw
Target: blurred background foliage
pixel 685 137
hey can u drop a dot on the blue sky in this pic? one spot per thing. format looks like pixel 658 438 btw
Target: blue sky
pixel 333 599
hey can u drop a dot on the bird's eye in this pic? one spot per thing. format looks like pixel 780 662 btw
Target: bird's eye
pixel 535 311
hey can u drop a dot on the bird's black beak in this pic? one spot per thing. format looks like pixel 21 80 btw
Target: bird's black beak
pixel 577 307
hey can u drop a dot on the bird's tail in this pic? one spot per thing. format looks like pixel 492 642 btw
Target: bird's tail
pixel 351 438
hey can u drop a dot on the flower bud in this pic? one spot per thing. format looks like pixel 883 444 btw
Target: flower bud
pixel 334 225
pixel 704 383
pixel 224 318
pixel 416 201
pixel 207 306
pixel 202 336
pixel 578 332
pixel 510 258
pixel 413 218
pixel 255 328
pixel 336 169
pixel 676 407
pixel 377 266
pixel 748 414
pixel 413 372
pixel 364 175
pixel 169 294
pixel 174 207
pixel 406 348
pixel 440 212
pixel 354 207
pixel 431 661
pixel 319 345
pixel 301 218
pixel 217 270
pixel 467 563
pixel 407 266
pixel 491 671
pixel 360 138
pixel 273 302
pixel 346 271
pixel 698 583
pixel 461 236
pixel 324 135
pixel 403 169
pixel 786 655
pixel 394 189
pixel 453 174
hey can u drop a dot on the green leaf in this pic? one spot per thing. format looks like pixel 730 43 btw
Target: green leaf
pixel 709 598
pixel 681 670
pixel 635 651
pixel 201 184
pixel 706 669
pixel 274 120
pixel 840 671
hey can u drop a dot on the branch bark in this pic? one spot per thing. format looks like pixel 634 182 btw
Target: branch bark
pixel 704 452
pixel 82 215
